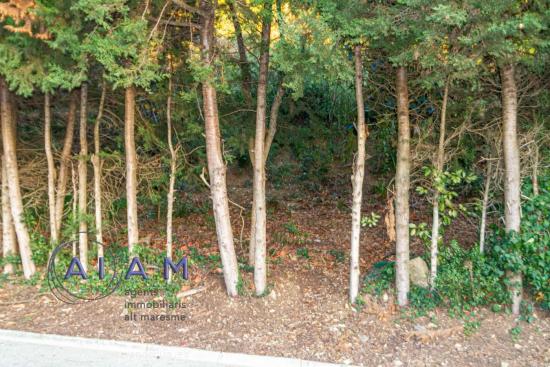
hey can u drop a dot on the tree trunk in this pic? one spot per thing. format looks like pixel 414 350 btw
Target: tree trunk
pixel 9 239
pixel 64 163
pixel 357 179
pixel 54 237
pixel 131 167
pixel 97 164
pixel 83 178
pixel 74 181
pixel 173 162
pixel 484 205
pixel 12 175
pixel 512 182
pixel 536 170
pixel 243 61
pixel 402 183
pixel 273 116
pixel 216 165
pixel 439 162
pixel 260 263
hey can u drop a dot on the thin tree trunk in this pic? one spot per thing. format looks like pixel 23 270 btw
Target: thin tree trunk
pixel 512 182
pixel 173 162
pixel 260 263
pixel 64 163
pixel 536 170
pixel 402 183
pixel 243 61
pixel 97 163
pixel 14 188
pixel 9 239
pixel 54 237
pixel 440 160
pixel 216 165
pixel 273 116
pixel 74 181
pixel 83 178
pixel 485 203
pixel 357 179
pixel 131 167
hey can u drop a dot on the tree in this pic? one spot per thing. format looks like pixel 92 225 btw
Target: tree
pixel 357 177
pixel 83 178
pixel 216 165
pixel 12 177
pixel 259 209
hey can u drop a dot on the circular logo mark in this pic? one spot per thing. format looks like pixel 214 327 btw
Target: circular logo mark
pixel 72 282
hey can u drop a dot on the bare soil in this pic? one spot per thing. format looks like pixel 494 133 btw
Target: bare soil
pixel 306 315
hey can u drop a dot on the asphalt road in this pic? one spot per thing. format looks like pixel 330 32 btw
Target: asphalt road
pixel 22 349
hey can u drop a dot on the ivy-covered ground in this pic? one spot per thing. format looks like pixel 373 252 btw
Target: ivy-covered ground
pixel 306 314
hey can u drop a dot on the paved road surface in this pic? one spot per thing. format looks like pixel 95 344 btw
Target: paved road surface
pixel 22 349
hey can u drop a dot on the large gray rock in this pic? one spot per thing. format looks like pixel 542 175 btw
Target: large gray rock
pixel 419 272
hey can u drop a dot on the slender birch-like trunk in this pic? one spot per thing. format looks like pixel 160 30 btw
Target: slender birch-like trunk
pixel 402 183
pixel 131 167
pixel 54 238
pixel 9 239
pixel 439 162
pixel 173 162
pixel 272 130
pixel 484 205
pixel 12 178
pixel 216 164
pixel 357 179
pixel 512 182
pixel 64 163
pixel 259 209
pixel 97 164
pixel 83 178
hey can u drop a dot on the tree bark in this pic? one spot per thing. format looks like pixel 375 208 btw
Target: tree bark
pixel 243 60
pixel 512 182
pixel 97 165
pixel 64 163
pixel 131 167
pixel 173 162
pixel 402 183
pixel 83 178
pixel 357 179
pixel 273 116
pixel 484 205
pixel 9 239
pixel 54 237
pixel 216 165
pixel 260 263
pixel 439 162
pixel 12 172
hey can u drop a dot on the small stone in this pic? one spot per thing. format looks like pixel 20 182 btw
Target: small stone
pixel 397 363
pixel 385 297
pixel 504 364
pixel 418 272
pixel 517 346
pixel 458 346
pixel 419 328
pixel 363 338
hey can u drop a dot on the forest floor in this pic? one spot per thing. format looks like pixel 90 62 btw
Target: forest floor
pixel 306 315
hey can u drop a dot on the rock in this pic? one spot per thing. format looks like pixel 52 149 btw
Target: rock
pixel 419 328
pixel 385 297
pixel 397 363
pixel 504 364
pixel 363 338
pixel 418 272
